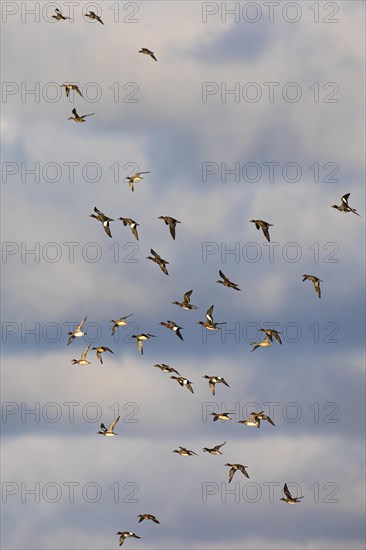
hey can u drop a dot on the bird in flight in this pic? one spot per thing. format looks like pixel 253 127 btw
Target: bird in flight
pixel 69 87
pixel 141 338
pixel 78 332
pixel 172 222
pixel 79 118
pixel 213 380
pixel 100 350
pixel 289 498
pixel 94 16
pixel 316 282
pixel 83 360
pixel 260 224
pixel 214 450
pixel 133 225
pixel 183 382
pixel 126 535
pixel 59 17
pixel 236 468
pixel 174 327
pixel 227 282
pixel 134 179
pixel 344 206
pixel 108 432
pixel 146 51
pixel 158 260
pixel 185 303
pixel 103 219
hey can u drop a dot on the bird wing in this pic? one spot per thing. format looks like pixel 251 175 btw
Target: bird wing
pixel 345 198
pixel 134 233
pixel 112 425
pixel 223 276
pixel 209 313
pixel 212 387
pixel 83 355
pixel 286 491
pixel 187 296
pixel 80 325
pixel 231 474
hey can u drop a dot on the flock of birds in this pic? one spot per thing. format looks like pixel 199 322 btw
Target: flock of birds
pixel 256 417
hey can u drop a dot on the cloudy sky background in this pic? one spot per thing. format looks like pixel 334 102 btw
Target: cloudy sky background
pixel 171 133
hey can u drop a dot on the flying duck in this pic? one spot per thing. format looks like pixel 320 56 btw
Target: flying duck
pixel 148 516
pixel 78 332
pixel 212 380
pixel 272 333
pixel 220 416
pixel 261 416
pixel 235 468
pixel 126 535
pixel 214 450
pixel 108 432
pixel 146 51
pixel 227 282
pixel 83 360
pixel 263 344
pixel 59 16
pixel 120 323
pixel 185 303
pixel 100 350
pixel 172 222
pixel 289 498
pixel 316 282
pixel 94 16
pixel 158 260
pixel 252 421
pixel 184 452
pixel 141 338
pixel 209 324
pixel 69 87
pixel 79 118
pixel 174 327
pixel 260 224
pixel 183 382
pixel 166 368
pixel 134 179
pixel 344 206
pixel 133 225
pixel 103 219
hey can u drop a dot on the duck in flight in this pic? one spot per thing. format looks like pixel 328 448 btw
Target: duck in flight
pixel 184 452
pixel 148 516
pixel 172 222
pixel 236 468
pixel 158 260
pixel 289 498
pixel 226 282
pixel 78 118
pixel 146 51
pixel 100 350
pixel 255 419
pixel 316 282
pixel 185 303
pixel 214 450
pixel 126 535
pixel 209 323
pixel 221 416
pixel 166 368
pixel 142 338
pixel 108 432
pixel 83 360
pixel 183 382
pixel 260 224
pixel 134 179
pixel 94 16
pixel 213 380
pixel 120 323
pixel 174 327
pixel 344 206
pixel 69 87
pixel 272 333
pixel 59 17
pixel 78 332
pixel 263 344
pixel 103 219
pixel 133 225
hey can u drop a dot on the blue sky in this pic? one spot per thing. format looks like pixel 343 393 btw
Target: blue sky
pixel 313 385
